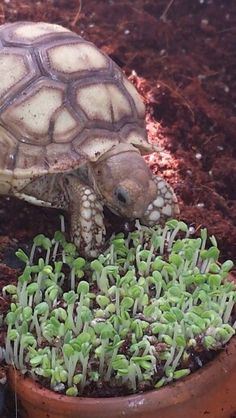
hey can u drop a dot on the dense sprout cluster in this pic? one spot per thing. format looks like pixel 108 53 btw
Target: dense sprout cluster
pixel 130 319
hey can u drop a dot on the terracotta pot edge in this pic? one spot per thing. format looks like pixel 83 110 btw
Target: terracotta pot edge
pixel 172 394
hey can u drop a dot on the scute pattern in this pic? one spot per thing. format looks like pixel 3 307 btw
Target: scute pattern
pixel 103 102
pixel 29 159
pixel 30 115
pixel 61 157
pixel 61 100
pixel 93 145
pixel 73 58
pixel 30 32
pixel 16 70
pixel 65 126
pixel 8 150
pixel 136 98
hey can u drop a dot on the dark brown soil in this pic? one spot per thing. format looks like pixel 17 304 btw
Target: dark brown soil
pixel 183 63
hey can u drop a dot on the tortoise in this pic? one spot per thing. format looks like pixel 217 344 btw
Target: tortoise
pixel 72 133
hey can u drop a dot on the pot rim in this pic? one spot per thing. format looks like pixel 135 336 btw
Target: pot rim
pixel 193 385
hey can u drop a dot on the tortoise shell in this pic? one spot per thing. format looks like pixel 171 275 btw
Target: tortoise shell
pixel 62 102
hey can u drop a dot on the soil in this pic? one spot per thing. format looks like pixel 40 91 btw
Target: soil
pixel 182 61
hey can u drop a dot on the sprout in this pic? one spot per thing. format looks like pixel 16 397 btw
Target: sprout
pixel 41 310
pixel 77 270
pixel 23 281
pixel 71 357
pixel 70 298
pixel 82 291
pixel 82 343
pixel 106 332
pixel 22 256
pixel 72 391
pixel 9 289
pixel 176 226
pixel 178 374
pixel 25 341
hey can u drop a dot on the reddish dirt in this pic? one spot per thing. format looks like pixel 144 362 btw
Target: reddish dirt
pixel 183 64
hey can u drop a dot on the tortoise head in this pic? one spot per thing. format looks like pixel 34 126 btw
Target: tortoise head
pixel 126 183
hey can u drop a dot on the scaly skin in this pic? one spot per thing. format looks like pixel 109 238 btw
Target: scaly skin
pixel 69 192
pixel 163 206
pixel 86 211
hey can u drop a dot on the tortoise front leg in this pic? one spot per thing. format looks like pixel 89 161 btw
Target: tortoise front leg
pixel 164 206
pixel 86 214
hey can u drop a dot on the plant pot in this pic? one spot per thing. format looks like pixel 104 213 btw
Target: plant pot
pixel 209 392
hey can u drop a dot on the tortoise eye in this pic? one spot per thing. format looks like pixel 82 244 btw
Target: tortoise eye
pixel 122 195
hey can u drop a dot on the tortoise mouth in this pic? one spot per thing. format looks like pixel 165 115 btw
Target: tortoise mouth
pixel 122 212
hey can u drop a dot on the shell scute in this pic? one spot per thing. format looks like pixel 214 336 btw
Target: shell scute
pixel 8 150
pixel 139 105
pixel 17 70
pixel 65 125
pixel 29 160
pixel 30 114
pixel 93 145
pixel 135 135
pixel 61 158
pixel 30 32
pixel 103 102
pixel 71 60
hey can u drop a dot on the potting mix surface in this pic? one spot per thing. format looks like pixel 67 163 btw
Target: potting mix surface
pixel 182 61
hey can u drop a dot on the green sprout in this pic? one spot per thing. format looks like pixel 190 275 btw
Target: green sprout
pixel 130 319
